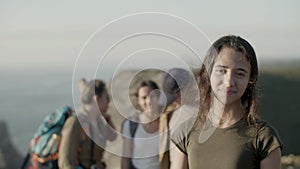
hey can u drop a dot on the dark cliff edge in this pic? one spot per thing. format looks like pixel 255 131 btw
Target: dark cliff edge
pixel 10 157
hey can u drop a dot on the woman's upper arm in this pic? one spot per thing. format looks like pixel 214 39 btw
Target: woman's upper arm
pixel 127 146
pixel 181 161
pixel 272 161
pixel 127 151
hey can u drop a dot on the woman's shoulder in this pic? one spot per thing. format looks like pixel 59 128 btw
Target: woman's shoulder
pixel 186 128
pixel 264 126
pixel 266 132
pixel 181 136
pixel 72 120
pixel 130 119
pixel 125 123
pixel 129 125
pixel 71 125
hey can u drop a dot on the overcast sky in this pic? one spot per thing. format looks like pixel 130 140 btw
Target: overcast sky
pixel 44 33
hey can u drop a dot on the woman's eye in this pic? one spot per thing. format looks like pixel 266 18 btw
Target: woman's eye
pixel 241 74
pixel 221 71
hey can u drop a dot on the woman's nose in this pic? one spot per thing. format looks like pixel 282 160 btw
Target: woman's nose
pixel 148 100
pixel 229 79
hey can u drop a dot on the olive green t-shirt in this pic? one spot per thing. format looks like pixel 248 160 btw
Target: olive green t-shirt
pixel 240 146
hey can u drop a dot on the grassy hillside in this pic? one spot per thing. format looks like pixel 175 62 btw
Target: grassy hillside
pixel 280 103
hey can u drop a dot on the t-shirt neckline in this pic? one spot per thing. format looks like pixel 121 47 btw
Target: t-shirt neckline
pixel 235 125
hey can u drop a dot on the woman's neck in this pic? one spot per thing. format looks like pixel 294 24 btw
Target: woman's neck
pixel 223 116
pixel 149 121
pixel 148 116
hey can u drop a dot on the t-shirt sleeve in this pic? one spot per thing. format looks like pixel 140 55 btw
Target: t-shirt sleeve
pixel 268 140
pixel 126 130
pixel 180 137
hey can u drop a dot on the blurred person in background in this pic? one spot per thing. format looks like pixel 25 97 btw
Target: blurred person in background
pixel 179 104
pixel 84 137
pixel 140 133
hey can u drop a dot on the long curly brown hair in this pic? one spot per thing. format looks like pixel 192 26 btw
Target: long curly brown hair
pixel 249 99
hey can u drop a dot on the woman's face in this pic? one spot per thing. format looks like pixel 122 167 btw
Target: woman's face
pixel 230 76
pixel 103 102
pixel 144 100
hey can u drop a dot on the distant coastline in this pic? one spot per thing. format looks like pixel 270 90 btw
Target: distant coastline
pixel 29 94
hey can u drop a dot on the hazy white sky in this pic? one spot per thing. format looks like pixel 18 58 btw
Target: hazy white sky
pixel 37 33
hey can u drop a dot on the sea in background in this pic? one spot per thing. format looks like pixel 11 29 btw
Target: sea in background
pixel 28 95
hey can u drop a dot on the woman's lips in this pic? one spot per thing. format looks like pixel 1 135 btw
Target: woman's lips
pixel 230 92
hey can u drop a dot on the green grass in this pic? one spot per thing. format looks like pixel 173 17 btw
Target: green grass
pixel 280 104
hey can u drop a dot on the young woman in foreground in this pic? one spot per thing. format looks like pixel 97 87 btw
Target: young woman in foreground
pixel 228 133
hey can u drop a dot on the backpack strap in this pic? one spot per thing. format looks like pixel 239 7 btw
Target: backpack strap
pixel 132 127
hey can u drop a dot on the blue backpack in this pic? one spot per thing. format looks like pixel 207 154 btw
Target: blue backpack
pixel 44 145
